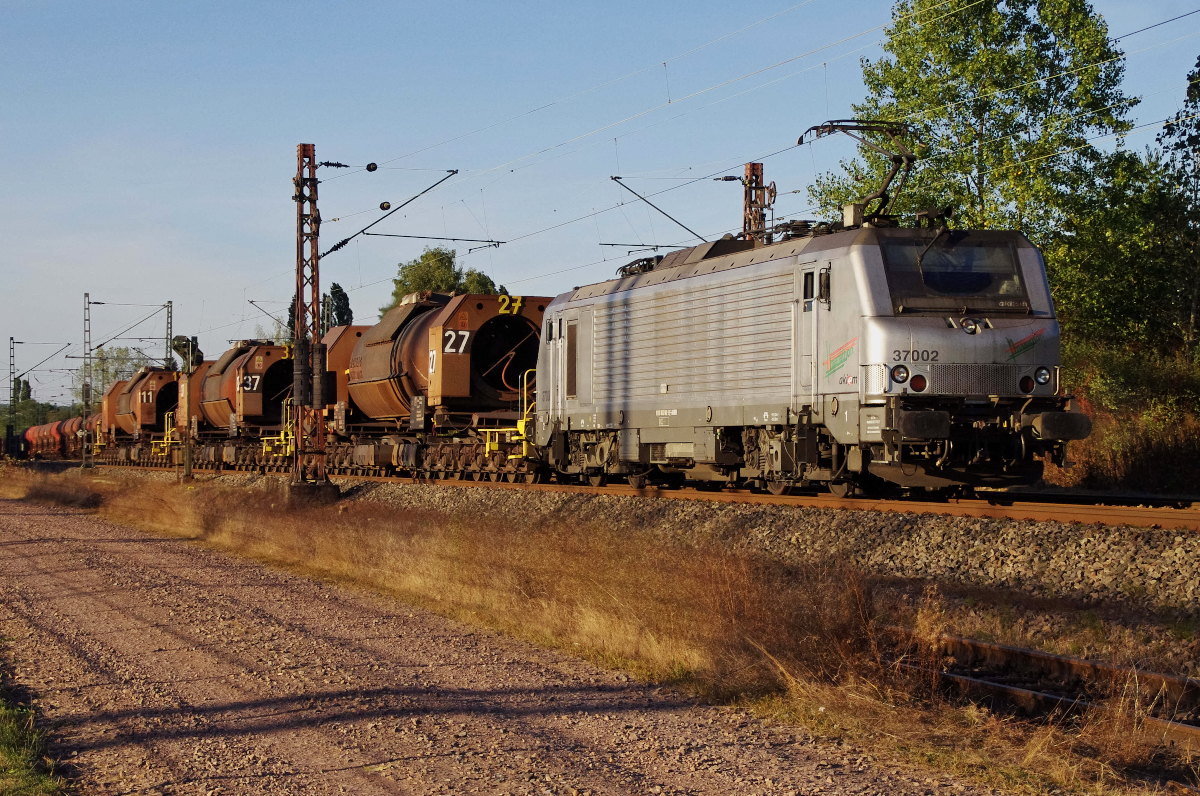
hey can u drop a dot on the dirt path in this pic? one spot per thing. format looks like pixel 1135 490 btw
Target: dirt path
pixel 167 668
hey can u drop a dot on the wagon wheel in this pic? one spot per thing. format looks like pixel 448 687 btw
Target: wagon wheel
pixel 598 479
pixel 779 487
pixel 842 489
pixel 479 465
pixel 637 481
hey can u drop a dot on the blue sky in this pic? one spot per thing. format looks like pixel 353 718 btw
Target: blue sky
pixel 148 148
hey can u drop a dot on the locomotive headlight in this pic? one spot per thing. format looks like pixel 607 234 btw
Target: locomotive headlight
pixel 1042 375
pixel 900 374
pixel 969 325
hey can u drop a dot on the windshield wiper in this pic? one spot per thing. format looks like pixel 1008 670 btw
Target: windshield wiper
pixel 925 251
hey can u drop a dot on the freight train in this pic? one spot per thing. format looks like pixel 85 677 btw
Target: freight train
pixel 855 355
pixel 849 357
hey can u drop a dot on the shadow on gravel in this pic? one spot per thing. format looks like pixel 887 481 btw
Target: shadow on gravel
pixel 257 716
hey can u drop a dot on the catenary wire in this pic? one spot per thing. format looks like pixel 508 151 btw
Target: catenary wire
pixel 714 87
pixel 735 80
pixel 1068 118
pixel 521 237
pixel 584 92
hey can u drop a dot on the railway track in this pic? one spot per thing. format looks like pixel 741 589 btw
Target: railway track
pixel 1104 510
pixel 1033 682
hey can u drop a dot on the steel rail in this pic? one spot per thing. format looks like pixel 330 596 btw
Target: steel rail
pixel 1100 510
pixel 1179 694
pixel 1175 514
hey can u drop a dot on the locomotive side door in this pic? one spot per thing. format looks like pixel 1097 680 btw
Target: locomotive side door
pixel 568 365
pixel 806 329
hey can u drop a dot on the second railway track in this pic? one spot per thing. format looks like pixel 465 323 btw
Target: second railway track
pixel 1034 682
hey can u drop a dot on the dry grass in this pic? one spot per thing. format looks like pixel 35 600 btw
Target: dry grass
pixel 1145 408
pixel 798 643
pixel 700 617
pixel 1155 452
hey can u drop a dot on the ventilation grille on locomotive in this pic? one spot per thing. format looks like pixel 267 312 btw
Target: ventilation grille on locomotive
pixel 953 379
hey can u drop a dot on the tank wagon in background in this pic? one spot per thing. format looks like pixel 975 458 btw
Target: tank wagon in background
pixel 440 386
pixel 854 354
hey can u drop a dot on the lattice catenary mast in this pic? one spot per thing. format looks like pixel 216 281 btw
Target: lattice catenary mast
pixel 309 365
pixel 14 395
pixel 86 389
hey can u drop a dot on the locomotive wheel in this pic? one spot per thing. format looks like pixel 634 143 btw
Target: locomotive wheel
pixel 842 489
pixel 513 476
pixel 494 476
pixel 536 477
pixel 598 480
pixel 637 481
pixel 779 487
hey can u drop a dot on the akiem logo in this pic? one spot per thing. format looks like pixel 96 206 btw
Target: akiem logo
pixel 838 358
pixel 1024 345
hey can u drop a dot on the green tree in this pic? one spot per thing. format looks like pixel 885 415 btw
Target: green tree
pixel 1114 266
pixel 112 364
pixel 436 270
pixel 1002 97
pixel 189 351
pixel 1180 140
pixel 342 314
pixel 291 319
pixel 276 334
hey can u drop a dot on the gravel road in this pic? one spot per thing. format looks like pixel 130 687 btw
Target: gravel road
pixel 163 667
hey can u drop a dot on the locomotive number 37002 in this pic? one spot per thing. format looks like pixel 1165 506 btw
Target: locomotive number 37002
pixel 914 355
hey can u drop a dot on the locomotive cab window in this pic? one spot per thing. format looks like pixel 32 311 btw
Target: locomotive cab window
pixel 809 290
pixel 941 271
pixel 549 331
pixel 572 360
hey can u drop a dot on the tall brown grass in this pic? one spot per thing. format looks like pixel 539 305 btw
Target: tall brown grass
pixel 1145 408
pixel 802 643
pixel 1156 452
pixel 698 614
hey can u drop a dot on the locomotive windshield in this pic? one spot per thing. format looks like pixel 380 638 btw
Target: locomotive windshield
pixel 953 271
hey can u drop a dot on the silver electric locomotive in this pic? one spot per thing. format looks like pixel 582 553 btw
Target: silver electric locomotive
pixel 854 354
